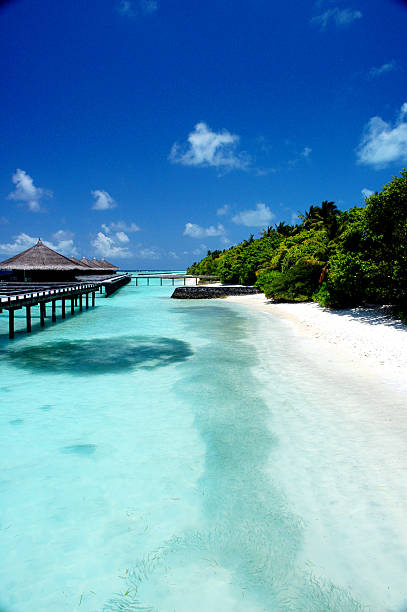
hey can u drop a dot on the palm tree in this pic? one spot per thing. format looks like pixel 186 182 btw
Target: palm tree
pixel 284 229
pixel 322 217
pixel 266 233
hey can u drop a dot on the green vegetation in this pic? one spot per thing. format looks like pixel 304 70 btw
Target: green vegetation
pixel 339 259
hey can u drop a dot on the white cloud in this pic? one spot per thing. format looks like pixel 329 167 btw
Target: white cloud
pixel 122 237
pixel 223 210
pixel 120 226
pixel 62 243
pixel 340 17
pixel 382 142
pixel 259 216
pixel 132 8
pixel 367 192
pixel 21 243
pixel 264 171
pixel 125 7
pixel 306 152
pixel 196 231
pixel 103 200
pixel 208 148
pixel 26 191
pixel 148 253
pixel 383 69
pixel 173 255
pixel 107 246
pixel 148 6
pixel 200 250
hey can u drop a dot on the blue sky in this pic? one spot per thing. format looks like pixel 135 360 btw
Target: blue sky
pixel 148 131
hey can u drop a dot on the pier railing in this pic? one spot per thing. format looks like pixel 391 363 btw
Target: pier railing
pixel 74 292
pixel 115 282
pixel 184 278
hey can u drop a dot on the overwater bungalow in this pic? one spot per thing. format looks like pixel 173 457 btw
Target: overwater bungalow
pixel 40 263
pixel 103 265
pixel 109 265
pixel 98 266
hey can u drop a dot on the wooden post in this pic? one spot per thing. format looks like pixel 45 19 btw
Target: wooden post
pixel 76 300
pixel 54 314
pixel 72 306
pixel 184 280
pixel 63 308
pixel 11 323
pixel 101 289
pixel 148 280
pixel 42 314
pixel 87 300
pixel 161 279
pixel 93 298
pixel 136 281
pixel 80 302
pixel 28 318
pixel 196 280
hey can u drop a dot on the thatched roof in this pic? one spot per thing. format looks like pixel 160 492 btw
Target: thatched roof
pixel 40 257
pixel 86 262
pixel 91 264
pixel 97 263
pixel 81 263
pixel 109 265
pixel 103 264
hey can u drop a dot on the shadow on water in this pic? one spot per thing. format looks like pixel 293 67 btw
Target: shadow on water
pixel 16 422
pixel 101 355
pixel 248 537
pixel 79 449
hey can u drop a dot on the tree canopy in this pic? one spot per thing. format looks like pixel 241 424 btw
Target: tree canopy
pixel 339 259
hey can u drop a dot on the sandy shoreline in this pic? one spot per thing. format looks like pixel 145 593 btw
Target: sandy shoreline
pixel 366 338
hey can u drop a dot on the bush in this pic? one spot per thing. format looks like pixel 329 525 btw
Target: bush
pixel 297 284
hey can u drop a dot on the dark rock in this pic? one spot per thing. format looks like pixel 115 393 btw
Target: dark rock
pixel 206 293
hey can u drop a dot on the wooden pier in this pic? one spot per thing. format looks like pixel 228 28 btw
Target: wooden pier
pixel 15 296
pixel 110 283
pixel 114 283
pixel 12 299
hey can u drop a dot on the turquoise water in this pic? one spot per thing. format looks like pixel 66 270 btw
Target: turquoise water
pixel 166 455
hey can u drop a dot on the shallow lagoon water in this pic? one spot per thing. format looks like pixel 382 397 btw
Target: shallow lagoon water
pixel 167 455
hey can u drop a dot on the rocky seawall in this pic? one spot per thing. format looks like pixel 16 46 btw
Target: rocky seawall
pixel 209 292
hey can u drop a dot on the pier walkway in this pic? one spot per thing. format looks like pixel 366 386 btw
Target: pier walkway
pixel 15 296
pixel 184 278
pixel 110 284
pixel 12 300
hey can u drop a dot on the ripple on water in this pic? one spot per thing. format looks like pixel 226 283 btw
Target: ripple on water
pixel 79 449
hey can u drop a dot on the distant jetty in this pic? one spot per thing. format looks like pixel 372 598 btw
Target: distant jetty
pixel 207 292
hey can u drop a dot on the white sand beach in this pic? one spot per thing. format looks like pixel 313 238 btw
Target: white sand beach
pixel 367 338
pixel 342 464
